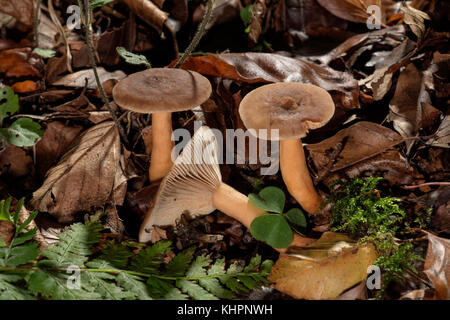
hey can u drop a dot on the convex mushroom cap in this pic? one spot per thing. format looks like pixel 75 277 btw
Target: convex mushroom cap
pixel 292 108
pixel 162 90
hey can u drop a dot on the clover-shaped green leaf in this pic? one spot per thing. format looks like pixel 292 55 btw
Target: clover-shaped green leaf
pixel 272 229
pixel 269 199
pixel 9 102
pixel 296 217
pixel 24 132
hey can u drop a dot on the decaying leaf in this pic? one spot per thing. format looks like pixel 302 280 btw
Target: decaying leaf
pixel 324 269
pixel 89 175
pixel 406 106
pixel 19 63
pixel 255 67
pixel 351 10
pixel 78 79
pixel 361 141
pixel 381 80
pixel 437 265
pixel 442 136
pixel 415 19
pixel 22 10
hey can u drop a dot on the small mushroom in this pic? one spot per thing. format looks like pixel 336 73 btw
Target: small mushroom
pixel 292 109
pixel 161 91
pixel 194 185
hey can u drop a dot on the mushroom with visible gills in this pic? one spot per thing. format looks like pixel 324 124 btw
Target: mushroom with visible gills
pixel 194 184
pixel 292 108
pixel 161 91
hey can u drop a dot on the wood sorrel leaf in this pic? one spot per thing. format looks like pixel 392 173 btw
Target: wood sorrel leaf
pixel 272 229
pixel 296 217
pixel 9 102
pixel 132 58
pixel 269 199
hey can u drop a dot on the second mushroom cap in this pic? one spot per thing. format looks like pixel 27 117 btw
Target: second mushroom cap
pixel 292 108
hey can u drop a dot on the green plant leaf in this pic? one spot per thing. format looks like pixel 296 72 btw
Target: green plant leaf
pixel 269 199
pixel 246 14
pixel 5 215
pixel 99 3
pixel 296 217
pixel 272 229
pixel 45 53
pixel 133 58
pixel 24 132
pixel 9 102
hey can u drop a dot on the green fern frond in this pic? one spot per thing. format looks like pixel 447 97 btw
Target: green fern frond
pixel 71 269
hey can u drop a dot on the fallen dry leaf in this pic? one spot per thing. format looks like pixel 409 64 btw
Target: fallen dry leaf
pixel 22 10
pixel 351 10
pixel 324 269
pixel 19 63
pixel 25 86
pixel 78 79
pixel 437 265
pixel 265 67
pixel 15 162
pixel 406 110
pixel 53 144
pixel 360 141
pixel 442 136
pixel 89 175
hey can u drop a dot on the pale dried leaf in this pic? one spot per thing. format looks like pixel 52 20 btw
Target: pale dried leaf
pixel 77 79
pixel 351 10
pixel 89 175
pixel 22 10
pixel 415 19
pixel 437 265
pixel 324 269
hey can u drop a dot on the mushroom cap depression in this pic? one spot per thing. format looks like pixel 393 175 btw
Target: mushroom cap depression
pixel 189 185
pixel 162 90
pixel 291 107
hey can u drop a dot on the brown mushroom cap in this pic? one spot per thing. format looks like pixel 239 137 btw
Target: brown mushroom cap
pixel 291 107
pixel 162 90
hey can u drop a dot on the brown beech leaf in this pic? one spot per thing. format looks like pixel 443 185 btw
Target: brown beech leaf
pixel 78 79
pixel 22 10
pixel 15 162
pixel 442 136
pixel 405 108
pixel 381 80
pixel 354 46
pixel 148 12
pixel 89 175
pixel 360 141
pixel 25 86
pixel 19 63
pixel 324 269
pixel 252 67
pixel 437 265
pixel 415 19
pixel 53 144
pixel 351 10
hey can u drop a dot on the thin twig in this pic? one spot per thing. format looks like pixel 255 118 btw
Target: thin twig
pixel 198 35
pixel 427 184
pixel 36 23
pixel 86 14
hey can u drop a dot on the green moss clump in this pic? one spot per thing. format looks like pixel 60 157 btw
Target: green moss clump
pixel 360 211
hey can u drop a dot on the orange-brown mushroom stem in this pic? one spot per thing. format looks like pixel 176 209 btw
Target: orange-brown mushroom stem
pixel 162 145
pixel 296 175
pixel 236 205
